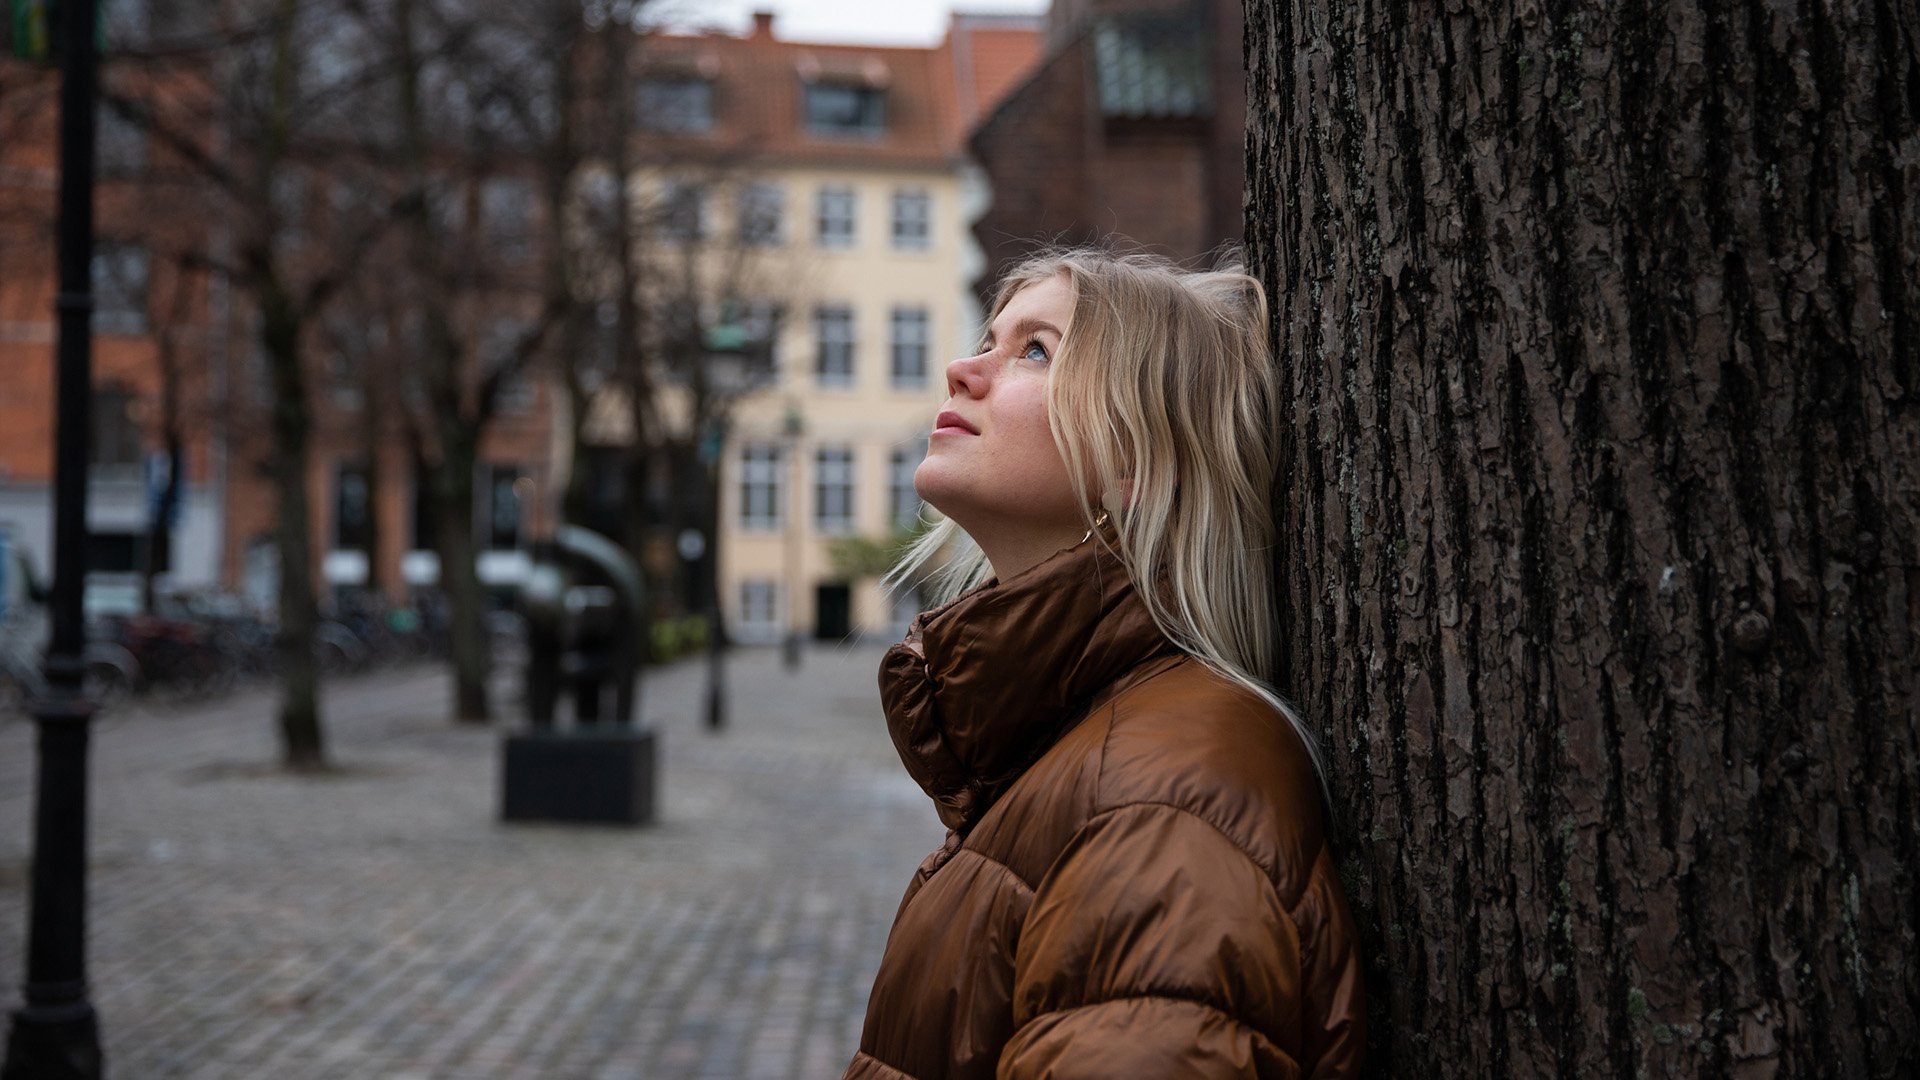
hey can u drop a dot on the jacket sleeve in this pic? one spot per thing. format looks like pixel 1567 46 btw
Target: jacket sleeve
pixel 1157 947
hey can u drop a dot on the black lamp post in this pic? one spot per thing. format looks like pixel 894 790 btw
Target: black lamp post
pixel 730 370
pixel 55 1035
pixel 790 643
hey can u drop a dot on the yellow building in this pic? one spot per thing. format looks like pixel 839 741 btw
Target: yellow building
pixel 828 183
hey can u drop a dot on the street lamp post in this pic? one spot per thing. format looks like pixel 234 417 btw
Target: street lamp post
pixel 790 535
pixel 730 370
pixel 55 1035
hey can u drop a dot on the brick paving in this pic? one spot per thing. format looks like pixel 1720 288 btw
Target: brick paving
pixel 381 922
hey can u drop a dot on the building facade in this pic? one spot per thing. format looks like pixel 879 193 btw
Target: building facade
pixel 846 172
pixel 1131 131
pixel 158 350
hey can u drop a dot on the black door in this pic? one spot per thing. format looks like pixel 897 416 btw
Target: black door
pixel 833 612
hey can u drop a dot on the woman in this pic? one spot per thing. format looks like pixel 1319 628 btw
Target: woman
pixel 1137 881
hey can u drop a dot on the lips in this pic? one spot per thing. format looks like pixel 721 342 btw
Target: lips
pixel 952 422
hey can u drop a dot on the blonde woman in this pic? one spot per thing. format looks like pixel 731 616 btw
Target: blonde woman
pixel 1137 881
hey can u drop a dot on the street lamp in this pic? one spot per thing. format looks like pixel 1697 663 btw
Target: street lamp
pixel 794 427
pixel 56 1035
pixel 733 366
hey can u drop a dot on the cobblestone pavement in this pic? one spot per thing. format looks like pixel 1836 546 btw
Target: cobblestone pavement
pixel 380 922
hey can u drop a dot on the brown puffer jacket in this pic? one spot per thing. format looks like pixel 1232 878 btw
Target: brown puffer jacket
pixel 1137 882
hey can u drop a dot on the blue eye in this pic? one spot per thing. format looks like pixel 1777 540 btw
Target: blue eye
pixel 1035 351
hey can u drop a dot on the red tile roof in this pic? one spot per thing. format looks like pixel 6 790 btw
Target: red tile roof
pixel 933 95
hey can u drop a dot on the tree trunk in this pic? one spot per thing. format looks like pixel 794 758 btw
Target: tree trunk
pixel 378 585
pixel 453 489
pixel 302 746
pixel 1598 325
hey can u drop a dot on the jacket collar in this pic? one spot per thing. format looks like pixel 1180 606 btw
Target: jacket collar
pixel 984 684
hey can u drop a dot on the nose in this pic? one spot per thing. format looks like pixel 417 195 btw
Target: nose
pixel 969 375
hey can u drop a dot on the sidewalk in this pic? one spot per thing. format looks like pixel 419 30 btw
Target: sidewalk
pixel 382 923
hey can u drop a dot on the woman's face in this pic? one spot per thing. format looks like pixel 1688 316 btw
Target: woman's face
pixel 991 462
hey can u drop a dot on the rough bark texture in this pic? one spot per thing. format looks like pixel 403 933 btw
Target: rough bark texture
pixel 460 579
pixel 1602 508
pixel 302 743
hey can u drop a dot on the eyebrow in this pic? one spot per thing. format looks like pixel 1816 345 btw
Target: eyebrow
pixel 1024 327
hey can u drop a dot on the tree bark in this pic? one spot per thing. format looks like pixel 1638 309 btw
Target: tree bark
pixel 1598 327
pixel 281 323
pixel 302 745
pixel 453 480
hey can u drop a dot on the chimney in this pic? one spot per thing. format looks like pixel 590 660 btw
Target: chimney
pixel 762 24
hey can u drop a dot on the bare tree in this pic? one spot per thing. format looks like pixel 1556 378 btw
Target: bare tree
pixel 1601 331
pixel 485 100
pixel 258 93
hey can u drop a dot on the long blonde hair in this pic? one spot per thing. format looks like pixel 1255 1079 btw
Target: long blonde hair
pixel 1163 399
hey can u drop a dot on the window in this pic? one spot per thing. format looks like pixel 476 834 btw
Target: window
pixel 760 471
pixel 116 435
pixel 833 330
pixel 600 193
pixel 679 329
pixel 120 144
pixel 349 359
pixel 342 379
pixel 506 212
pixel 903 502
pixel 845 109
pixel 758 214
pixel 912 220
pixel 500 344
pixel 352 509
pixel 909 348
pixel 759 611
pixel 120 289
pixel 505 484
pixel 124 23
pixel 833 489
pixel 760 321
pixel 678 103
pixel 426 517
pixel 446 206
pixel 834 217
pixel 682 211
pixel 114 552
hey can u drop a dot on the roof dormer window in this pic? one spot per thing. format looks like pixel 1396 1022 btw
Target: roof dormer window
pixel 846 109
pixel 676 103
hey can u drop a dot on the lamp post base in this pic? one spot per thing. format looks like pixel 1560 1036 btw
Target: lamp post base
pixel 54 1042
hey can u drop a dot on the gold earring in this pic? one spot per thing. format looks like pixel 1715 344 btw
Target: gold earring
pixel 1097 522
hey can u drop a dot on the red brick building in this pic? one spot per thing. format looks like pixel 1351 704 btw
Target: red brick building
pixel 1131 128
pixel 176 349
pixel 159 342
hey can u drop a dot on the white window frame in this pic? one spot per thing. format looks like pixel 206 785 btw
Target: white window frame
pixel 836 217
pixel 835 473
pixel 760 618
pixel 760 211
pixel 836 346
pixel 763 470
pixel 910 326
pixel 912 219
